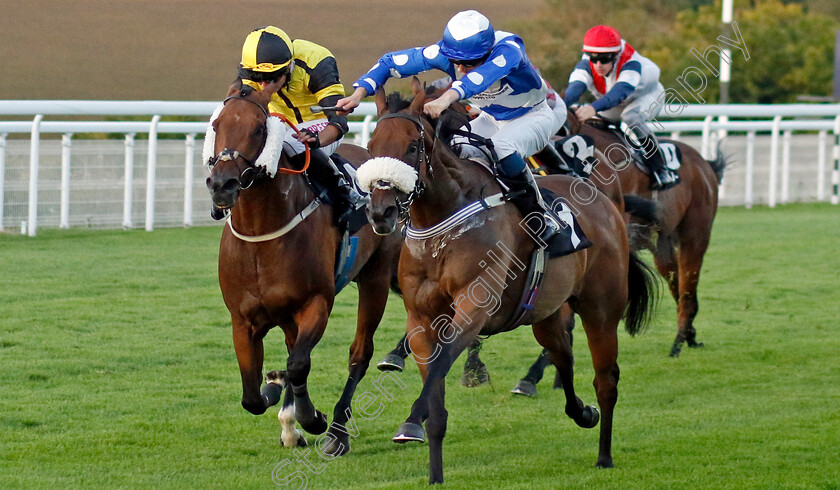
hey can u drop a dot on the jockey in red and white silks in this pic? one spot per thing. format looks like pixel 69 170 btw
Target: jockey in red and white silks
pixel 626 87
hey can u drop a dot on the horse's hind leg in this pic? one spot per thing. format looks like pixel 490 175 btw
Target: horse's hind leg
pixel 693 246
pixel 475 371
pixel 667 263
pixel 395 360
pixel 373 295
pixel 600 310
pixel 553 334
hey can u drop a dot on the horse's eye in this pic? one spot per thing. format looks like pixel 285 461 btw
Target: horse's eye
pixel 412 148
pixel 258 132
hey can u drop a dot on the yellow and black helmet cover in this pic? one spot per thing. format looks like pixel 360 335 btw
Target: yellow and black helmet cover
pixel 266 50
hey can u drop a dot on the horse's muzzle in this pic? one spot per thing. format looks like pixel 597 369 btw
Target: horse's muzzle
pixel 223 192
pixel 383 221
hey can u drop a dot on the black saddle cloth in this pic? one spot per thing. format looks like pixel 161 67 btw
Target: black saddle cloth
pixel 570 238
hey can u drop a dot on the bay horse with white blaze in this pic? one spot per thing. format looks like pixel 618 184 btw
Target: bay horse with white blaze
pixel 277 264
pixel 453 292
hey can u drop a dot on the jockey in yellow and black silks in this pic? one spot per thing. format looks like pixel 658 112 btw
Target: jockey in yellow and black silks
pixel 310 77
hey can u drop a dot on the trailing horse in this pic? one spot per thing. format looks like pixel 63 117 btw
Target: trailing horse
pixel 277 264
pixel 685 215
pixel 453 291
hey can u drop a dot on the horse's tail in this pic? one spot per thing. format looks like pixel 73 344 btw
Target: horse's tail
pixel 719 163
pixel 641 208
pixel 643 294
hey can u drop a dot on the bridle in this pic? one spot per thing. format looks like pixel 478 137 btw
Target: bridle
pixel 251 172
pixel 405 205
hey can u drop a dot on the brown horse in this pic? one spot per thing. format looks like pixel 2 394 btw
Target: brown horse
pixel 453 291
pixel 685 215
pixel 278 269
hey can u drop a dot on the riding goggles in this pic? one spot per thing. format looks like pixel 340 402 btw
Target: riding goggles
pixel 603 58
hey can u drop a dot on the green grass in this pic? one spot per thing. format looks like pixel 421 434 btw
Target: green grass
pixel 118 371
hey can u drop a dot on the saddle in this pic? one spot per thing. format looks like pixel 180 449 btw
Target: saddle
pixel 572 155
pixel 357 218
pixel 670 151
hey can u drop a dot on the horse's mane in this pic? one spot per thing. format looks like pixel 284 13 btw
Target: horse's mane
pixel 395 102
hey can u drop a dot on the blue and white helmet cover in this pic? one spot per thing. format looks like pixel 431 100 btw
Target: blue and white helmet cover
pixel 468 36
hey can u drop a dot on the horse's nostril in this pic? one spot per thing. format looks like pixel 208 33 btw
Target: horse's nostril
pixel 232 185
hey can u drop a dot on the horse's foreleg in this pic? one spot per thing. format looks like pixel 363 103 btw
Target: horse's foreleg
pixel 435 351
pixel 311 322
pixel 248 344
pixel 373 295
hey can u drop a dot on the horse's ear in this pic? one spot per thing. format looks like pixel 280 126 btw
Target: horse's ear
pixel 234 87
pixel 268 90
pixel 416 87
pixel 419 100
pixel 381 103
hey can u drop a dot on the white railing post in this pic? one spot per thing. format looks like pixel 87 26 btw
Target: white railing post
pixel 366 131
pixel 34 156
pixel 788 134
pixel 748 176
pixel 835 175
pixel 722 133
pixel 823 137
pixel 150 174
pixel 128 190
pixel 774 161
pixel 707 137
pixel 675 135
pixel 188 180
pixel 2 178
pixel 64 210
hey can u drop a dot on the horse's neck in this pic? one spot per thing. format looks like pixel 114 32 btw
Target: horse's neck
pixel 454 182
pixel 270 204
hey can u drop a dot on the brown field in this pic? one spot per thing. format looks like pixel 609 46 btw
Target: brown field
pixel 189 49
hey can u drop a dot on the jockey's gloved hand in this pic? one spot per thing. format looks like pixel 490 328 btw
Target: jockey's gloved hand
pixel 313 145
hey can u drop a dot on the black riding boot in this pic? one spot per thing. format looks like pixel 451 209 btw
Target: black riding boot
pixel 661 177
pixel 323 170
pixel 525 195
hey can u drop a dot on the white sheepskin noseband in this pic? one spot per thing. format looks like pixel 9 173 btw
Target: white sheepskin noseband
pixel 396 173
pixel 276 132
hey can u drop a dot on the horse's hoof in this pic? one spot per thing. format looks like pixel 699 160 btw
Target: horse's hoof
pixel 524 388
pixel 604 463
pixel 589 417
pixel 337 445
pixel 475 377
pixel 409 432
pixel 301 441
pixel 271 394
pixel 315 425
pixel 391 362
pixel 695 345
pixel 675 350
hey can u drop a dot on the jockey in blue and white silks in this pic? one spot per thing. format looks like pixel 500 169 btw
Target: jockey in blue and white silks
pixel 626 87
pixel 493 72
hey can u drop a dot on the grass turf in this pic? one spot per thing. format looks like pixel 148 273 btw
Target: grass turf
pixel 119 371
